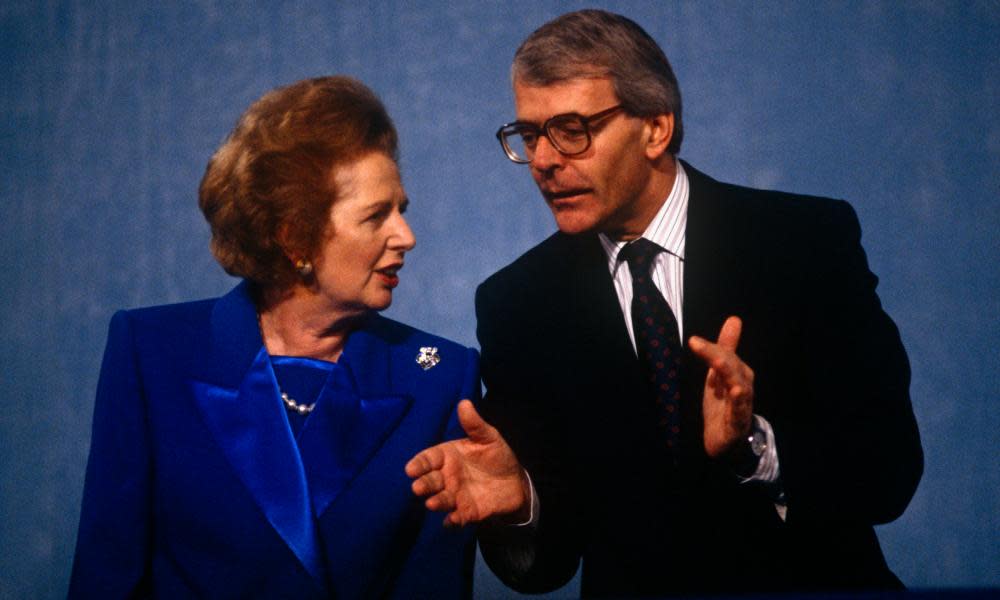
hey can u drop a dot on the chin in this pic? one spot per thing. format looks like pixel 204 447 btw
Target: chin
pixel 380 304
pixel 573 224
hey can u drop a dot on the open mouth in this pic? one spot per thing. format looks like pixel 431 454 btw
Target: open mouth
pixel 390 274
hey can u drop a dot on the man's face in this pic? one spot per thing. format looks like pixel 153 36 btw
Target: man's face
pixel 605 189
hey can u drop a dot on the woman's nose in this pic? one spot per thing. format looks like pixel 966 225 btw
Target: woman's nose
pixel 403 236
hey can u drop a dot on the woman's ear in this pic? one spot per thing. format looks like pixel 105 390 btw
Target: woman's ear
pixel 660 131
pixel 284 240
pixel 301 263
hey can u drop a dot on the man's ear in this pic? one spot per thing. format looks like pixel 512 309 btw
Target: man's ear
pixel 661 131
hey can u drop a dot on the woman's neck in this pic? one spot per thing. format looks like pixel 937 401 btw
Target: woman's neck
pixel 299 323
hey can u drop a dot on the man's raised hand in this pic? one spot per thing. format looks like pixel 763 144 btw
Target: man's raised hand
pixel 727 404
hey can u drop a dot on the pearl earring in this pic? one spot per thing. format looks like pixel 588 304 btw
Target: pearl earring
pixel 304 267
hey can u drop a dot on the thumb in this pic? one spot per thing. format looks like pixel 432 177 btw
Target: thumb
pixel 729 336
pixel 475 427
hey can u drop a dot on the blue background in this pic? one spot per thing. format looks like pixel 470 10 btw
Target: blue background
pixel 110 113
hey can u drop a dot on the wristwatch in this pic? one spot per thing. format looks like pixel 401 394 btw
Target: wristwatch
pixel 744 456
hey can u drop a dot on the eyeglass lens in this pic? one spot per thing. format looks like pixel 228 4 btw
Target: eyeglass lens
pixel 568 133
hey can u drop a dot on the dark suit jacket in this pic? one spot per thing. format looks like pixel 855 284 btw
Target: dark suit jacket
pixel 196 487
pixel 832 378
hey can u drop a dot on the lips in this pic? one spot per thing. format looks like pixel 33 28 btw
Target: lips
pixel 389 274
pixel 561 198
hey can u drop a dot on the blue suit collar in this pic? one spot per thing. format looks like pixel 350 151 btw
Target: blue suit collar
pixel 235 341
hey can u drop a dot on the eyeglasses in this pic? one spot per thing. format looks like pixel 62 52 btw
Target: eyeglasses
pixel 569 133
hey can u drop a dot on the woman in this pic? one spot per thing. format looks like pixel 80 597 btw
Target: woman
pixel 254 444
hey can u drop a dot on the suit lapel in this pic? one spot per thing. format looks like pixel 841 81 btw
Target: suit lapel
pixel 360 406
pixel 708 276
pixel 599 316
pixel 714 282
pixel 239 401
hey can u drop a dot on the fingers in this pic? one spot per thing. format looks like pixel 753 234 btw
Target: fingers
pixel 446 503
pixel 431 483
pixel 721 355
pixel 718 358
pixel 426 461
pixel 475 427
pixel 728 375
pixel 454 520
pixel 441 502
pixel 729 336
pixel 729 339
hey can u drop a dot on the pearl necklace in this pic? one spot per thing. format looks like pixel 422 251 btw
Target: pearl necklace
pixel 302 409
pixel 290 403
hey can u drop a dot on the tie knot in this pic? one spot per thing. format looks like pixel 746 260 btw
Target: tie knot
pixel 639 256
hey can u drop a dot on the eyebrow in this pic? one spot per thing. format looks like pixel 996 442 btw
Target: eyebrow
pixel 380 204
pixel 574 113
pixel 537 124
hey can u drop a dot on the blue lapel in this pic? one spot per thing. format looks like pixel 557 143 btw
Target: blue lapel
pixel 361 404
pixel 240 404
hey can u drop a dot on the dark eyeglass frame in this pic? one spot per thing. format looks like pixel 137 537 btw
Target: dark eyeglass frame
pixel 517 127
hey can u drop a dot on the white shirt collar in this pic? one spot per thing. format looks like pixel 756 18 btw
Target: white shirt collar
pixel 667 229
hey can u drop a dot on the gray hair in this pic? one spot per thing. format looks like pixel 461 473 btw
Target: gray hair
pixel 595 43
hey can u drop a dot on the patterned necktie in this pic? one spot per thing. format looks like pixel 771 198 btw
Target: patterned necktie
pixel 657 341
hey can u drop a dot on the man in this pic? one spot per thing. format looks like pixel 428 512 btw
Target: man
pixel 754 458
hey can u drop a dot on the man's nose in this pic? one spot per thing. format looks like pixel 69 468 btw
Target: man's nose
pixel 546 156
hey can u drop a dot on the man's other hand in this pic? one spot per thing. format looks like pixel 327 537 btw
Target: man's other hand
pixel 727 404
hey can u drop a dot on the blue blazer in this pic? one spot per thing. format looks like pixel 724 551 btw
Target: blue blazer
pixel 196 486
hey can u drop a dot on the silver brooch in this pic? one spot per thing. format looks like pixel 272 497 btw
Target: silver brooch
pixel 428 357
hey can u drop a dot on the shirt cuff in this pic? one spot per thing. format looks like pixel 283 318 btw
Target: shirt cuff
pixel 533 507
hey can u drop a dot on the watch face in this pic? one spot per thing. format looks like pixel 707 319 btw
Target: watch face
pixel 758 443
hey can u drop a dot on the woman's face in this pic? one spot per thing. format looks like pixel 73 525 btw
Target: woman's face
pixel 356 269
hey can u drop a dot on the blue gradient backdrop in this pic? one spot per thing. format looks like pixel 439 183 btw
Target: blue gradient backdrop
pixel 111 110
